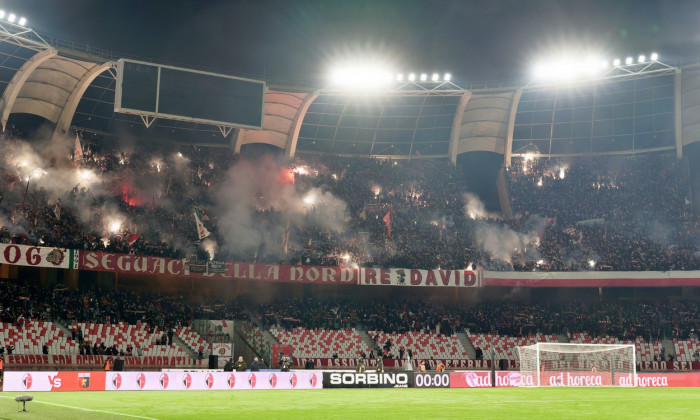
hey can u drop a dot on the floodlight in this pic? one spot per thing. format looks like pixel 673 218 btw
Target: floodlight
pixel 22 21
pixel 629 60
pixel 399 77
pixel 435 77
pixel 2 14
pixel 641 59
pixel 654 56
pixel 447 77
pixel 604 64
pixel 411 76
pixel 361 77
pixel 11 18
pixel 590 67
pixel 423 77
pixel 616 62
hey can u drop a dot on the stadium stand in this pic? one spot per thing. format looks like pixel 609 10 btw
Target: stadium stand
pixel 505 347
pixel 645 350
pixel 345 343
pixel 687 350
pixel 559 236
pixel 33 335
pixel 424 345
pixel 193 340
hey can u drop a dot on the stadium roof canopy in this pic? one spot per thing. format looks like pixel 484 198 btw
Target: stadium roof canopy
pixel 627 111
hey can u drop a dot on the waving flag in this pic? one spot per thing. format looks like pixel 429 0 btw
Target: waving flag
pixel 202 231
pixel 387 221
pixel 78 152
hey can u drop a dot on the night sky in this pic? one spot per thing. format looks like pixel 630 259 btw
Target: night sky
pixel 474 40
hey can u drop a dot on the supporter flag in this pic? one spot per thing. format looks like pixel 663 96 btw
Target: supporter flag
pixel 57 209
pixel 78 152
pixel 202 231
pixel 285 244
pixel 132 239
pixel 205 214
pixel 387 221
pixel 202 212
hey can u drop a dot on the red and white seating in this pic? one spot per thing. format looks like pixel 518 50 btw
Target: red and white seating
pixel 123 334
pixel 33 336
pixel 645 350
pixel 424 345
pixel 321 343
pixel 686 349
pixel 194 341
pixel 505 347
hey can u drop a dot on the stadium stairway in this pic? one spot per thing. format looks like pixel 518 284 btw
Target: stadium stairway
pixel 270 338
pixel 467 344
pixel 670 347
pixel 179 342
pixel 64 327
pixel 369 341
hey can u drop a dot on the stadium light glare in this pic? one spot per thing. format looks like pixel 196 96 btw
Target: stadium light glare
pixel 590 66
pixel 2 14
pixel 654 56
pixel 22 21
pixel 447 77
pixel 616 62
pixel 591 263
pixel 423 77
pixel 604 64
pixel 399 77
pixel 641 59
pixel 567 68
pixel 435 77
pixel 629 60
pixel 11 18
pixel 411 76
pixel 361 77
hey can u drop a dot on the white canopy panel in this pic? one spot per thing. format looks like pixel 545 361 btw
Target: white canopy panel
pixel 485 123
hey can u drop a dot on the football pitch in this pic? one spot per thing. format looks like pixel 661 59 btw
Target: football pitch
pixel 486 403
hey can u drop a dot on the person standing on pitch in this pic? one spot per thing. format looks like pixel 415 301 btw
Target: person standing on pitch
pixel 361 365
pixel 380 364
pixel 255 366
pixel 240 364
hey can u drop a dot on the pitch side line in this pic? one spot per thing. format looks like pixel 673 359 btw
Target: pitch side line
pixel 88 409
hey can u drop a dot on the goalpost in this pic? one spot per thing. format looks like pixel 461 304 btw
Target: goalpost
pixel 568 364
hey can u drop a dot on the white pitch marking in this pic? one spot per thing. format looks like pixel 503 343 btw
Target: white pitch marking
pixel 88 409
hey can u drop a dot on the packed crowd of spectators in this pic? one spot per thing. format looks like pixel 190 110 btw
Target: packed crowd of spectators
pixel 651 320
pixel 611 213
pixel 24 301
pixel 607 213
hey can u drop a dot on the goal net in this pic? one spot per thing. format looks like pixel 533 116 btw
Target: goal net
pixel 560 364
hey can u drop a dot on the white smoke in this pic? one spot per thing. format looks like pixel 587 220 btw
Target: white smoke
pixel 474 208
pixel 263 185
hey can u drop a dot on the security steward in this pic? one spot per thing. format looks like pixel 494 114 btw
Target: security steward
pixel 361 367
pixel 240 365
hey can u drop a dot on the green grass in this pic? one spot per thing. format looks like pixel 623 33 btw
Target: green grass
pixel 489 403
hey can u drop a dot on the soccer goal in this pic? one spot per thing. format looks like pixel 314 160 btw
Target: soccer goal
pixel 565 364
